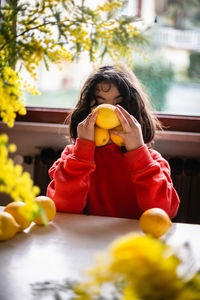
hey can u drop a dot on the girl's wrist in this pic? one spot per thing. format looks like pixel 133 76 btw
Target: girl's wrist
pixel 134 147
pixel 87 137
pixel 134 143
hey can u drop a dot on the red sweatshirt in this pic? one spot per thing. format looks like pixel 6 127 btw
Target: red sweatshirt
pixel 104 181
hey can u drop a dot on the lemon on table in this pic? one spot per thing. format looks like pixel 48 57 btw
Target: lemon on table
pixel 47 210
pixel 13 208
pixel 101 136
pixel 118 140
pixel 8 226
pixel 155 221
pixel 106 118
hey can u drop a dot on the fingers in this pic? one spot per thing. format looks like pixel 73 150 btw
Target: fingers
pixel 90 119
pixel 131 120
pixel 117 132
pixel 123 120
pixel 85 129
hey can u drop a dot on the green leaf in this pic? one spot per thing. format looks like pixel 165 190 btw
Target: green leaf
pixel 43 216
pixel 46 62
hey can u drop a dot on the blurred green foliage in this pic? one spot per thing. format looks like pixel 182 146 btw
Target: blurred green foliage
pixel 156 77
pixel 194 66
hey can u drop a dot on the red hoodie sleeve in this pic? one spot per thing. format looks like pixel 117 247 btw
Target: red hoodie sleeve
pixel 151 176
pixel 70 177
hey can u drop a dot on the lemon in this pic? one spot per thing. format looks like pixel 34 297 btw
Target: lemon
pixel 13 208
pixel 118 140
pixel 101 136
pixel 155 221
pixel 47 210
pixel 8 226
pixel 106 117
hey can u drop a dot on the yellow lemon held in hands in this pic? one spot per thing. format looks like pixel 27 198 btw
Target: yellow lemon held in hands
pixel 101 136
pixel 106 117
pixel 13 208
pixel 155 221
pixel 8 226
pixel 47 210
pixel 118 140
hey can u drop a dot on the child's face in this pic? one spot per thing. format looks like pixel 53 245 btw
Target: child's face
pixel 106 93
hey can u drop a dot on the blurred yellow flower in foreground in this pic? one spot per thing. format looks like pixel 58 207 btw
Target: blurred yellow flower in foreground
pixel 11 100
pixel 15 182
pixel 139 268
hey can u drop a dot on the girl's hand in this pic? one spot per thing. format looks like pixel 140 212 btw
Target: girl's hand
pixel 85 129
pixel 132 133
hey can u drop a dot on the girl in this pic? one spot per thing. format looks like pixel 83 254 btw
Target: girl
pixel 109 180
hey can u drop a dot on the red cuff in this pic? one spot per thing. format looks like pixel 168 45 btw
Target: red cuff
pixel 84 149
pixel 139 158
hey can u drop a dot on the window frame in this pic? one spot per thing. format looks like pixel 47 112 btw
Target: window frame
pixel 184 123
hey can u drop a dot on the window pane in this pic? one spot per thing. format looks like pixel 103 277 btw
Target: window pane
pixel 171 75
pixel 60 86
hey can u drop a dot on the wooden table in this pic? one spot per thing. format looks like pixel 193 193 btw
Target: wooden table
pixel 66 248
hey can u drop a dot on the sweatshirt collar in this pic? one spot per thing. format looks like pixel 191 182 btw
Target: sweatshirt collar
pixel 110 147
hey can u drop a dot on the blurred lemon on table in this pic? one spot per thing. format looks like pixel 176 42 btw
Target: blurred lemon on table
pixel 106 118
pixel 118 140
pixel 13 208
pixel 8 226
pixel 155 221
pixel 47 210
pixel 101 136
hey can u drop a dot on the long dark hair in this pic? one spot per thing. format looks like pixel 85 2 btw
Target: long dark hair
pixel 134 101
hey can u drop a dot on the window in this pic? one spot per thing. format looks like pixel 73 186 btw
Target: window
pixel 171 78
